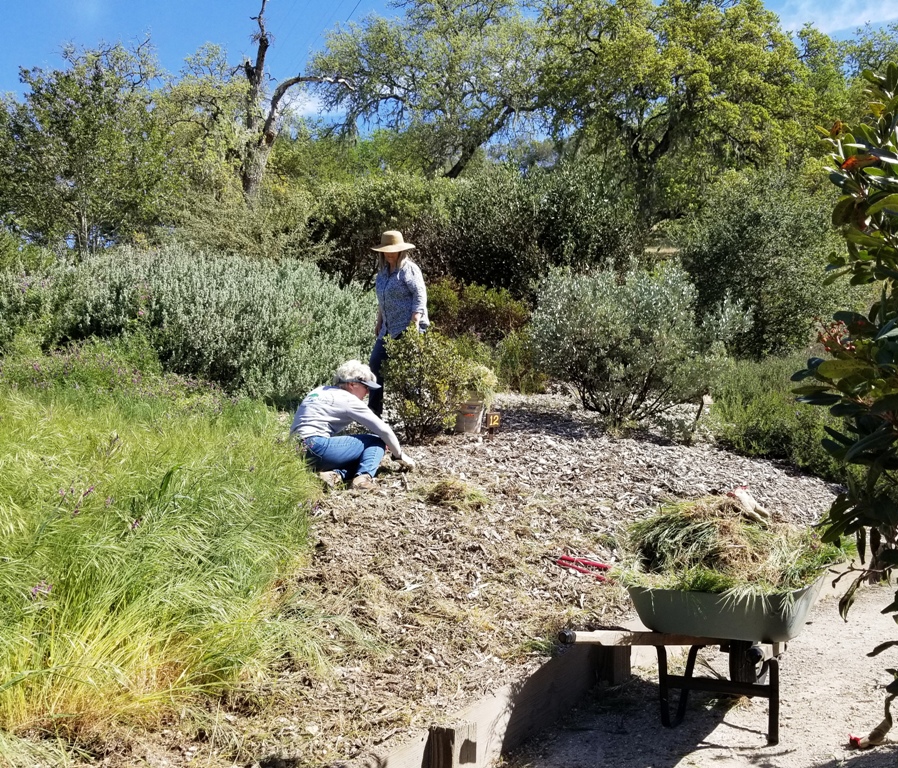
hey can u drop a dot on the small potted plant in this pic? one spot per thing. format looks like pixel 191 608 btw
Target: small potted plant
pixel 705 568
pixel 479 392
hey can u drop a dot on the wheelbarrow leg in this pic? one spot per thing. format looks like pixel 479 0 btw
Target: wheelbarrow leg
pixel 773 709
pixel 664 685
pixel 747 664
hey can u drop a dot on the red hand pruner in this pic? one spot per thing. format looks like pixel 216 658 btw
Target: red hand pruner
pixel 583 565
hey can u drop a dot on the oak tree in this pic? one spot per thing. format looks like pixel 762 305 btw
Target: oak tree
pixel 450 74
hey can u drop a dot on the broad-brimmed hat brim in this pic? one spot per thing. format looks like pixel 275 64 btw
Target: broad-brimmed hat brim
pixel 395 248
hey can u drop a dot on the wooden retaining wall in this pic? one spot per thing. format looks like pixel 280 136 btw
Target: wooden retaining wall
pixel 478 734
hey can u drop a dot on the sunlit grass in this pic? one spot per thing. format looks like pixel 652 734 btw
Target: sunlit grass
pixel 146 535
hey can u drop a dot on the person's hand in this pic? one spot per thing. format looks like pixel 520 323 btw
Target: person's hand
pixel 406 462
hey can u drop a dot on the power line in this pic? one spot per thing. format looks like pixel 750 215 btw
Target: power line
pixel 353 11
pixel 298 17
pixel 321 29
pixel 327 23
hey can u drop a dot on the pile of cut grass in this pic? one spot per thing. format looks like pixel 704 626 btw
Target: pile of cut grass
pixel 149 531
pixel 707 545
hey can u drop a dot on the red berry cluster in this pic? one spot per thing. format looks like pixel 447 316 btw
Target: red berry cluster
pixel 834 337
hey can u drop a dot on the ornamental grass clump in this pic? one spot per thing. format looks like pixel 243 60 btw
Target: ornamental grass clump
pixel 707 545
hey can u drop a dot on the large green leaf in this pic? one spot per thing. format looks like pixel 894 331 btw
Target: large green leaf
pixel 860 238
pixel 881 438
pixel 888 643
pixel 885 404
pixel 836 369
pixel 885 156
pixel 843 210
pixel 819 399
pixel 850 318
pixel 843 439
pixel 888 557
pixel 889 202
pixel 847 409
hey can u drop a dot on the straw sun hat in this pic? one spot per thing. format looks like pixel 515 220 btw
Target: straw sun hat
pixel 391 242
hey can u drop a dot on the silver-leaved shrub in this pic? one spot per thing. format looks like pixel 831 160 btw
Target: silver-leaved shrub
pixel 255 328
pixel 629 343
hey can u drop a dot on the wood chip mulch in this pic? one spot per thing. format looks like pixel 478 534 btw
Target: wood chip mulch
pixel 441 586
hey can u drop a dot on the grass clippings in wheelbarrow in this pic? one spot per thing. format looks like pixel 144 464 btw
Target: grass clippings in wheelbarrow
pixel 708 545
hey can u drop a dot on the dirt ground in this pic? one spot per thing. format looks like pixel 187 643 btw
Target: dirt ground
pixel 442 585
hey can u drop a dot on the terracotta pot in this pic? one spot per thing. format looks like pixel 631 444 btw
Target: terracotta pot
pixel 470 416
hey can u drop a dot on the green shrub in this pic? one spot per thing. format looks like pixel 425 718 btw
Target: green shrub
pixel 16 255
pixel 124 369
pixel 492 236
pixel 629 344
pixel 252 327
pixel 488 326
pixel 24 305
pixel 425 381
pixel 351 217
pixel 507 229
pixel 276 227
pixel 487 313
pixel 516 366
pixel 755 413
pixel 764 239
pixel 585 222
pixel 472 349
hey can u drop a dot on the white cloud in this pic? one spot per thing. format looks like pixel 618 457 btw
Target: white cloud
pixel 834 17
pixel 301 102
pixel 86 12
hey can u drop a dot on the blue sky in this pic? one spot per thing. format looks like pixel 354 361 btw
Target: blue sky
pixel 34 31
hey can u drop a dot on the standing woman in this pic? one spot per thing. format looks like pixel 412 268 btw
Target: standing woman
pixel 401 303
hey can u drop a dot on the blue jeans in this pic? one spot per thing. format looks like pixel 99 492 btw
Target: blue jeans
pixel 345 454
pixel 378 358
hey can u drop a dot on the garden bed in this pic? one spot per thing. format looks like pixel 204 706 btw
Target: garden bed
pixel 439 588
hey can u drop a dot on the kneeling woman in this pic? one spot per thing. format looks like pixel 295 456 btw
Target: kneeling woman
pixel 328 410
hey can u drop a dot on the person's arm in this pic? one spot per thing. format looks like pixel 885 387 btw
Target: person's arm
pixel 379 321
pixel 362 414
pixel 418 291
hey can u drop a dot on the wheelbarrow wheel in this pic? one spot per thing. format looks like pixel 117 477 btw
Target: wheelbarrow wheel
pixel 746 662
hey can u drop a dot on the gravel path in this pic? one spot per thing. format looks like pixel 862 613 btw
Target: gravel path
pixel 829 687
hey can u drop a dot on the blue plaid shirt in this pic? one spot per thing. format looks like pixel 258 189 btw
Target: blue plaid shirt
pixel 400 294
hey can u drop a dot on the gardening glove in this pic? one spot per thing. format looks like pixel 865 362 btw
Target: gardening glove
pixel 406 461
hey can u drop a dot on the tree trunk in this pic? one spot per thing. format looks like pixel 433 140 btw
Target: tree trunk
pixel 261 125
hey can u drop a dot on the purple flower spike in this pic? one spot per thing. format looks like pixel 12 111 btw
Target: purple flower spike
pixel 41 588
